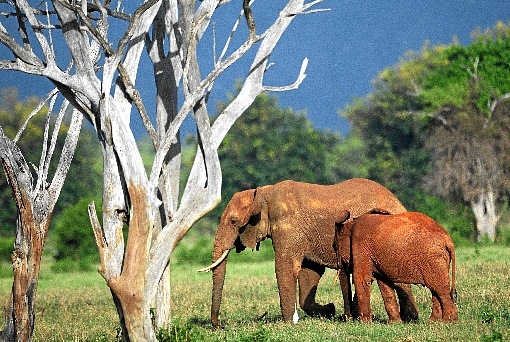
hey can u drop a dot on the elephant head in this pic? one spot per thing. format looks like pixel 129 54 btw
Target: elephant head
pixel 243 224
pixel 343 235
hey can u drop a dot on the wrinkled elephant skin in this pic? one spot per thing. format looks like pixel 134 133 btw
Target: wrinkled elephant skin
pixel 408 248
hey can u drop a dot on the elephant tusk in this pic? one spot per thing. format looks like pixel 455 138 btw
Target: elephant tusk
pixel 337 276
pixel 216 263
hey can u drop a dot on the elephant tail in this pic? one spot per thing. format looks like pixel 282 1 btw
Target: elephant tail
pixel 453 291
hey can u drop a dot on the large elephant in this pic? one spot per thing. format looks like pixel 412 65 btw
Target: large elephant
pixel 300 220
pixel 407 248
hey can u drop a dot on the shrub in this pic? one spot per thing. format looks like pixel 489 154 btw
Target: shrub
pixel 194 250
pixel 75 246
pixel 489 313
pixel 6 248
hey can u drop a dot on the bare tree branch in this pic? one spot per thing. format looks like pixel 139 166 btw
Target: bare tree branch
pixel 27 57
pixel 66 154
pixel 492 105
pixel 295 85
pixel 250 21
pixel 35 23
pixel 34 112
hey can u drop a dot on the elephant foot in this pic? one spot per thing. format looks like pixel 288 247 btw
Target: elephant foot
pixel 451 316
pixel 408 316
pixel 322 311
pixel 393 321
pixel 215 322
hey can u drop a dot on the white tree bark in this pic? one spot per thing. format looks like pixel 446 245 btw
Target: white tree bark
pixel 484 209
pixel 170 30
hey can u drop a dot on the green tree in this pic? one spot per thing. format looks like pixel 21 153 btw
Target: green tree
pixel 437 121
pixel 74 243
pixel 470 137
pixel 274 144
pixel 268 144
pixel 393 136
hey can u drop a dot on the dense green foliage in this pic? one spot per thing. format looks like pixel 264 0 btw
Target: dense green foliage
pixel 74 244
pixel 268 144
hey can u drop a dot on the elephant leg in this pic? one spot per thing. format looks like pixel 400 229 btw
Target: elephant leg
pixel 443 307
pixel 437 313
pixel 308 279
pixel 362 284
pixel 345 284
pixel 408 307
pixel 286 275
pixel 450 313
pixel 355 307
pixel 390 301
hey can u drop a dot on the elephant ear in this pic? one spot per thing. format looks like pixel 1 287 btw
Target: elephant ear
pixel 255 225
pixel 343 240
pixel 343 216
pixel 343 229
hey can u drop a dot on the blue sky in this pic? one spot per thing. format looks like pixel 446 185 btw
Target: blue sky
pixel 346 48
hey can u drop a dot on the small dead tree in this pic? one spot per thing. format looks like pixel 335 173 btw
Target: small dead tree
pixel 35 203
pixel 101 84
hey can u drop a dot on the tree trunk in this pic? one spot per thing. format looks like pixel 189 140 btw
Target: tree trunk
pixel 35 208
pixel 26 261
pixel 484 210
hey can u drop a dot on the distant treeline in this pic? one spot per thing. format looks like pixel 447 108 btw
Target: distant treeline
pixel 435 131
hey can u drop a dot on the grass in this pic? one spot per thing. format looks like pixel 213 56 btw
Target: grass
pixel 78 306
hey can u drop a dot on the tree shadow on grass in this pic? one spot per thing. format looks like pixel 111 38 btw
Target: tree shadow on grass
pixel 200 322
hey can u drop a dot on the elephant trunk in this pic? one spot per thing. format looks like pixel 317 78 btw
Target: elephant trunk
pixel 218 281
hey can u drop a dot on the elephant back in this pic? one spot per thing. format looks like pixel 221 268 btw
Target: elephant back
pixel 360 195
pixel 312 210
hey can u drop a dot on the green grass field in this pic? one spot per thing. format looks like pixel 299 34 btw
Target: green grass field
pixel 78 306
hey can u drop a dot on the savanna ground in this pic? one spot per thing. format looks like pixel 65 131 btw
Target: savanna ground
pixel 78 306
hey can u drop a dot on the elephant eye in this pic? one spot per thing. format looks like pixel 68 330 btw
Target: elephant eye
pixel 233 221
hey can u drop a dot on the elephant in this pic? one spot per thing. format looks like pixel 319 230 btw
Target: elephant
pixel 408 248
pixel 300 220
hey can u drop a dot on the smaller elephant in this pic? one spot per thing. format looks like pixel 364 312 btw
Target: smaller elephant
pixel 408 248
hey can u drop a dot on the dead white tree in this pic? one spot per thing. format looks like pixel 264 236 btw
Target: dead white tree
pixel 35 202
pixel 101 84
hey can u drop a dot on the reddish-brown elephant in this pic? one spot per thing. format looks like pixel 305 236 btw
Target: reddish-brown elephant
pixel 300 220
pixel 406 248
